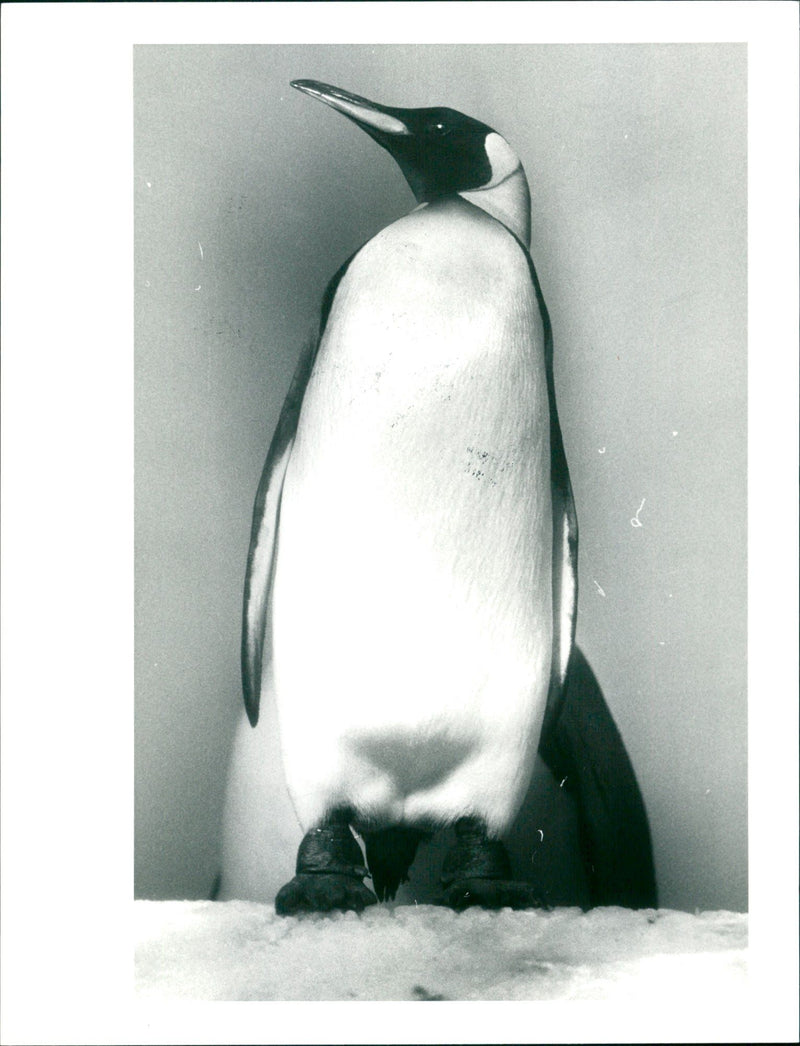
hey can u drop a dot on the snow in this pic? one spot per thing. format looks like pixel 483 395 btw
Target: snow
pixel 241 950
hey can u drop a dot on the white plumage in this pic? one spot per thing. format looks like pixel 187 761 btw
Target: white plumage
pixel 412 601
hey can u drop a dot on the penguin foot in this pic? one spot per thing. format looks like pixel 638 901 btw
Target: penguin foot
pixel 491 893
pixel 477 871
pixel 329 871
pixel 320 892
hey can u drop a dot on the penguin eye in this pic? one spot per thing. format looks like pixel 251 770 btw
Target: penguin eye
pixel 438 128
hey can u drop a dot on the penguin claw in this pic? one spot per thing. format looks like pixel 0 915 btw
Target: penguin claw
pixel 323 892
pixel 491 893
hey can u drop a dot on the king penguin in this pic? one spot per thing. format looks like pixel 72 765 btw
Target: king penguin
pixel 411 586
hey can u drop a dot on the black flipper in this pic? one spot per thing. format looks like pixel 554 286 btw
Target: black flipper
pixel 256 639
pixel 565 524
pixel 256 631
pixel 579 740
pixel 583 748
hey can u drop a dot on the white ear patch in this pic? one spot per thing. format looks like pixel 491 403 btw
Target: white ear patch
pixel 502 159
pixel 505 196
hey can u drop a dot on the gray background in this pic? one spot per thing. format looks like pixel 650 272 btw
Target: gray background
pixel 636 157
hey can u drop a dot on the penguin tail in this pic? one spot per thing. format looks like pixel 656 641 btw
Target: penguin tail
pixel 584 748
pixel 390 852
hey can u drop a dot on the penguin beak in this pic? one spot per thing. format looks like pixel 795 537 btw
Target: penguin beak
pixel 373 118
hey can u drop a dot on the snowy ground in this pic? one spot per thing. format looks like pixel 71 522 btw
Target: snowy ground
pixel 240 950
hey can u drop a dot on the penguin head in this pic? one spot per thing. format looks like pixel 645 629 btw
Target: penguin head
pixel 441 152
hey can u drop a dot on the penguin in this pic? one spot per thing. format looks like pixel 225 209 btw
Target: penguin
pixel 411 585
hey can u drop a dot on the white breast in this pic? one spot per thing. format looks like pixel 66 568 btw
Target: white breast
pixel 412 601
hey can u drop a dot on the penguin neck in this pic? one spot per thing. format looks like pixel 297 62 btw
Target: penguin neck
pixel 508 200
